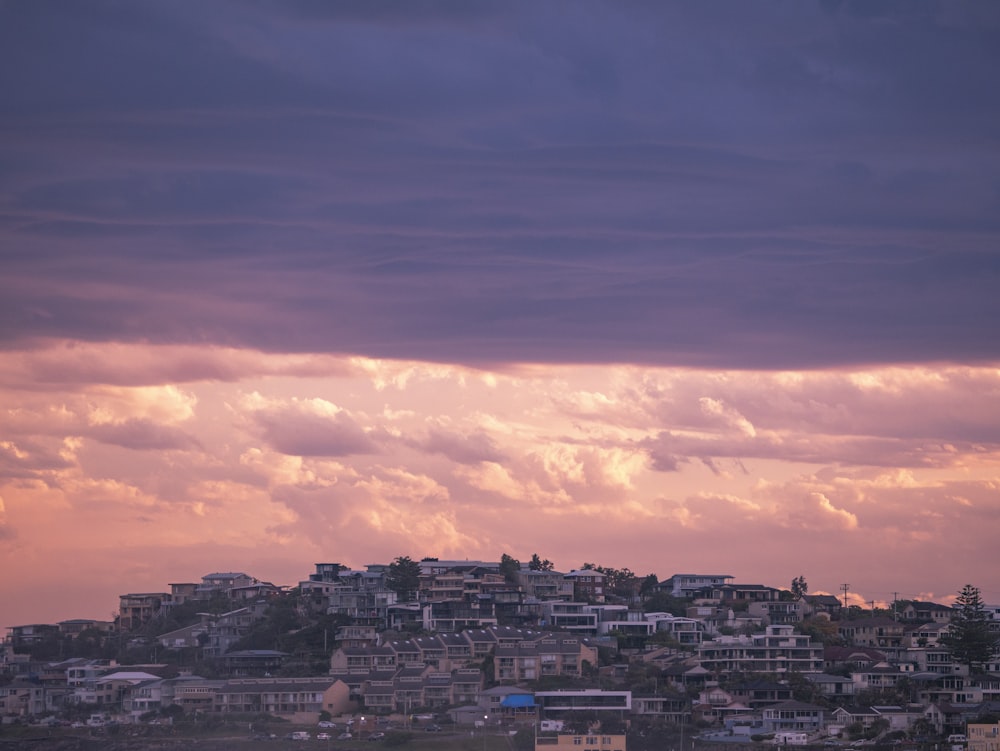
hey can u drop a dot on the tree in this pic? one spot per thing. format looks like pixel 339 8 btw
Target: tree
pixel 799 587
pixel 403 578
pixel 537 564
pixel 510 567
pixel 969 638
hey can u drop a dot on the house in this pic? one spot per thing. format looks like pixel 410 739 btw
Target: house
pixel 22 637
pixel 686 631
pixel 194 694
pixel 878 677
pixel 110 689
pixel 927 612
pixel 225 630
pixel 727 594
pixel 852 658
pixel 545 585
pixel 221 583
pixel 926 634
pixel 491 701
pixel 76 626
pixel 878 632
pixel 246 662
pixel 761 693
pixel 823 605
pixel 715 704
pixel 570 616
pixel 848 716
pixel 688 585
pixel 778 611
pixel 793 716
pixel 670 708
pixel 187 637
pixel 21 698
pixel 137 609
pixel 832 686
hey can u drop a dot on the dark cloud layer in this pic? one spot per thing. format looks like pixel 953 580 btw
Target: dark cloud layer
pixel 717 184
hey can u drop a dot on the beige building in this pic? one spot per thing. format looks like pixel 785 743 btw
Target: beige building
pixel 296 699
pixel 983 737
pixel 590 742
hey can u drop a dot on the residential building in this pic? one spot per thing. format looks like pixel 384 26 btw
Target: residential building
pixel 878 632
pixel 137 609
pixel 688 585
pixel 793 716
pixel 588 584
pixel 22 637
pixel 727 594
pixel 778 650
pixel 592 741
pixel 778 611
pixel 983 737
pixel 562 704
pixel 295 699
pixel 927 612
pixel 554 654
pixel 574 617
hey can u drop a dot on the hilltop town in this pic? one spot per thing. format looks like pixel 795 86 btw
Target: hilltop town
pixel 505 645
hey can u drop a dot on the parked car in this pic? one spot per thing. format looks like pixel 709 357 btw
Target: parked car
pixel 326 724
pixel 432 728
pixel 376 736
pixel 345 736
pixel 323 736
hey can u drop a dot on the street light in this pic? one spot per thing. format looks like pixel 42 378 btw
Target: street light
pixel 485 718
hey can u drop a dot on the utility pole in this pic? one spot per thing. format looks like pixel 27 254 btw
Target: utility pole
pixel 895 596
pixel 845 588
pixel 872 603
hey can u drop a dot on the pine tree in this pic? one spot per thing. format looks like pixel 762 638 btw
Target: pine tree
pixel 969 638
pixel 403 578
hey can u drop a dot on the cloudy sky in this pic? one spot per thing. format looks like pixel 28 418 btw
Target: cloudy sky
pixel 680 287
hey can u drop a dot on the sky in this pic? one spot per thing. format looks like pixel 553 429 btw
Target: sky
pixel 676 287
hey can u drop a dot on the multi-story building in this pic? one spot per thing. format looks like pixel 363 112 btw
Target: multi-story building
pixel 983 736
pixel 793 716
pixel 588 584
pixel 594 741
pixel 545 585
pixel 295 699
pixel 730 594
pixel 778 650
pixel 878 632
pixel 688 585
pixel 553 654
pixel 928 612
pixel 778 611
pixel 364 597
pixel 574 617
pixel 137 609
pixel 22 699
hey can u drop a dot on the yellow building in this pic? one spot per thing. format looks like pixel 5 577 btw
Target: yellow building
pixel 983 737
pixel 570 742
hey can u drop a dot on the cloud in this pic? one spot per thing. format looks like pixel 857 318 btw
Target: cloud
pixel 464 449
pixel 143 435
pixel 563 195
pixel 312 428
pixel 7 532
